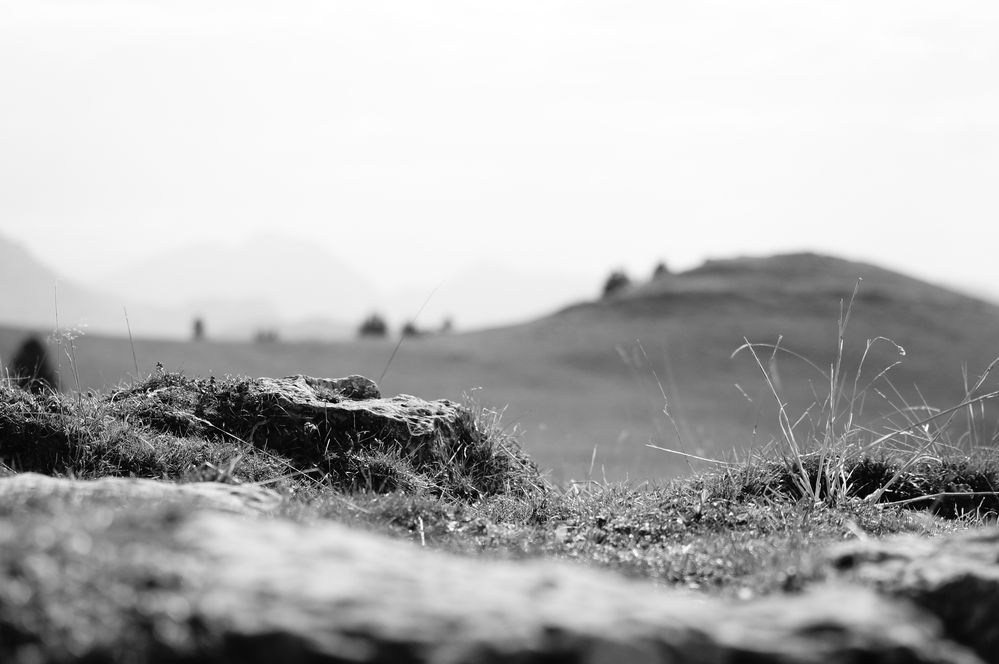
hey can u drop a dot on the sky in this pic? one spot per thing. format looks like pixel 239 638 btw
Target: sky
pixel 415 139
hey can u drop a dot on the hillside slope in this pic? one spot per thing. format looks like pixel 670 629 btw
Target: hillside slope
pixel 31 292
pixel 157 304
pixel 586 377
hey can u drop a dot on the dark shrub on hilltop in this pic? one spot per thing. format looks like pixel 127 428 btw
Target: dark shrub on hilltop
pixel 31 367
pixel 373 326
pixel 616 282
pixel 660 271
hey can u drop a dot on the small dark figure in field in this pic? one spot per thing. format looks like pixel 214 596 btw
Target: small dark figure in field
pixel 31 368
pixel 198 334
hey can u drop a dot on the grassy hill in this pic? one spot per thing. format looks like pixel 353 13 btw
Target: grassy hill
pixel 585 378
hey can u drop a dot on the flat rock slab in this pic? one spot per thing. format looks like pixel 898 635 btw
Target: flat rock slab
pixel 955 578
pixel 297 412
pixel 177 583
pixel 32 489
pixel 369 599
pixel 352 410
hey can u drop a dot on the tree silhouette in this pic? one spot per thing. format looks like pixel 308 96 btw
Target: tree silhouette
pixel 617 281
pixel 31 367
pixel 373 326
pixel 198 333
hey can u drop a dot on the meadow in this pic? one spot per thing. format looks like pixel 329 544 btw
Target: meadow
pixel 835 442
pixel 588 387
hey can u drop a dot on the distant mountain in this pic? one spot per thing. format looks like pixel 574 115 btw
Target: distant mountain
pixel 32 293
pixel 268 283
pixel 295 278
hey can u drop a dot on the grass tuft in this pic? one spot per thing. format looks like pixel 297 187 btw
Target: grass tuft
pixel 828 455
pixel 179 428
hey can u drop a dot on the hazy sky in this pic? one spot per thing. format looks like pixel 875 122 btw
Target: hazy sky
pixel 415 138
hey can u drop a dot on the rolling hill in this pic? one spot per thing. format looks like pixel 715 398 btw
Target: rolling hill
pixel 586 377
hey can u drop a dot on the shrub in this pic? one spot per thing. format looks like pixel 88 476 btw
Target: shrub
pixel 410 330
pixel 31 367
pixel 373 326
pixel 265 336
pixel 660 271
pixel 616 282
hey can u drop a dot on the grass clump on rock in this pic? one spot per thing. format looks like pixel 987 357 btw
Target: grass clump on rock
pixel 337 434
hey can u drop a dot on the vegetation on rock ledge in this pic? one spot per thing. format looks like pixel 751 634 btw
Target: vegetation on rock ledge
pixel 469 488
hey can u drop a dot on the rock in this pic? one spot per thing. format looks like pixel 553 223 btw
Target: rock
pixel 340 425
pixel 35 489
pixel 296 412
pixel 350 410
pixel 385 600
pixel 175 585
pixel 955 578
pixel 333 389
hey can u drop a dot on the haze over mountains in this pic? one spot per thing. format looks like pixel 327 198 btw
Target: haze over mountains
pixel 266 283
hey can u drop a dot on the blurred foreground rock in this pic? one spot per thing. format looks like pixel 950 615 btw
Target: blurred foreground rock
pixel 101 581
pixel 955 578
pixel 32 491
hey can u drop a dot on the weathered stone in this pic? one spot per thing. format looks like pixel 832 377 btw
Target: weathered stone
pixel 351 408
pixel 296 412
pixel 33 489
pixel 329 389
pixel 384 600
pixel 955 578
pixel 209 586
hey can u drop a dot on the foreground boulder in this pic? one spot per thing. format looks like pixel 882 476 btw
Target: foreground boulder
pixel 954 578
pixel 97 581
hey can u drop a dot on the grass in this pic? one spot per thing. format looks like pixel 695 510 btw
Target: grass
pixel 741 533
pixel 569 391
pixel 840 458
pixel 747 527
pixel 744 528
pixel 173 427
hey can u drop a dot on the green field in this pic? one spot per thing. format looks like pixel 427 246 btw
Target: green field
pixel 585 378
